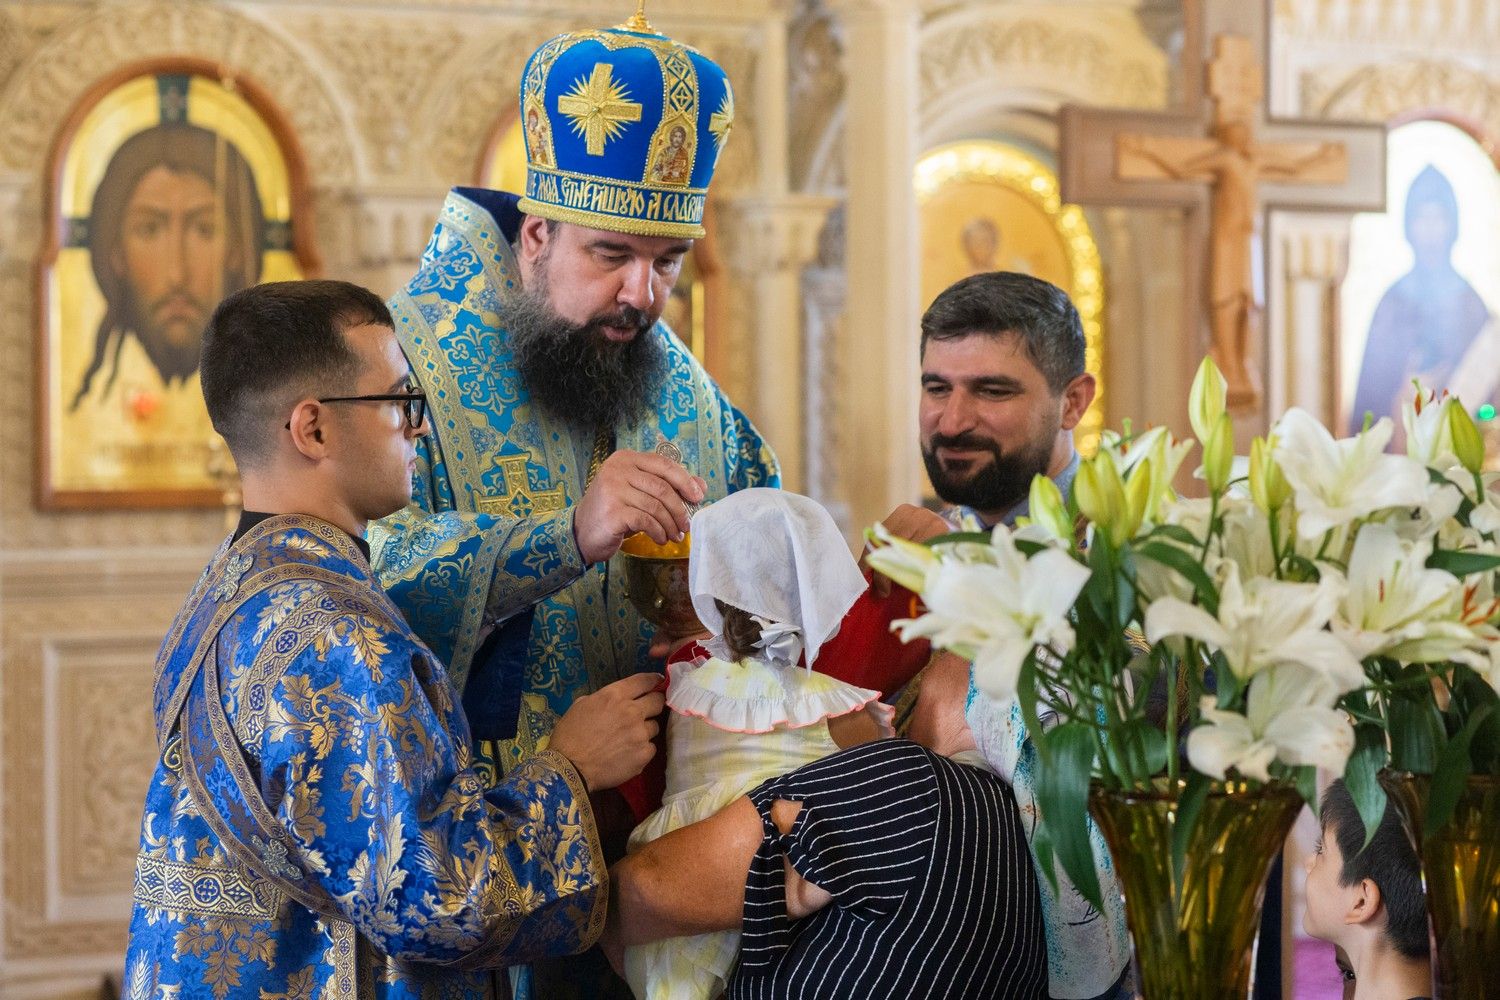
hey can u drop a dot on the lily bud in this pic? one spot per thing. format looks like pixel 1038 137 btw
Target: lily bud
pixel 1138 496
pixel 1218 454
pixel 1206 400
pixel 1268 487
pixel 1468 443
pixel 1045 507
pixel 1101 495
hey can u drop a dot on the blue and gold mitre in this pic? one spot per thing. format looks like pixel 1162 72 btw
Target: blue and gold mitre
pixel 623 130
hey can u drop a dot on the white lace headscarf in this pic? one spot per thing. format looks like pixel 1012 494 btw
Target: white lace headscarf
pixel 780 557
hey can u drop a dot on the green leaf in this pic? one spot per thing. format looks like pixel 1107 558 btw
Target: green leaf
pixel 1028 548
pixel 1124 602
pixel 1306 569
pixel 1462 564
pixel 1066 758
pixel 1452 769
pixel 1191 570
pixel 1189 805
pixel 1142 738
pixel 1176 533
pixel 958 537
pixel 1475 693
pixel 1041 847
pixel 1360 777
pixel 1416 730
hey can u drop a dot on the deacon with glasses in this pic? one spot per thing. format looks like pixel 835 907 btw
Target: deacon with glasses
pixel 316 825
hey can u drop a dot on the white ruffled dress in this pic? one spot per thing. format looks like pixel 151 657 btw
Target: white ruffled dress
pixel 732 726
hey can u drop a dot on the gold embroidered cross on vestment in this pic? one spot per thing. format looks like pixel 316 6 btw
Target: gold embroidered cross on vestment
pixel 519 500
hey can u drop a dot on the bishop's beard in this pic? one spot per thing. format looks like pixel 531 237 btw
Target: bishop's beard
pixel 576 374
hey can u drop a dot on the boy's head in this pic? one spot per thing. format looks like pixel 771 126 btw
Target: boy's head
pixel 1374 891
pixel 307 383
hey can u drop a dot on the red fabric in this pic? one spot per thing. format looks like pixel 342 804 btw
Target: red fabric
pixel 864 652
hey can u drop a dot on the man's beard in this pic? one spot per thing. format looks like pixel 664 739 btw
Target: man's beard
pixel 578 375
pixel 993 487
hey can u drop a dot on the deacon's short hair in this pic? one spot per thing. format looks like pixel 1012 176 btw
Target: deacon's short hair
pixel 1004 303
pixel 1388 860
pixel 272 344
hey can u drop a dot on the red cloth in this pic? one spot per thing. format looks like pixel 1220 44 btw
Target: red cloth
pixel 864 652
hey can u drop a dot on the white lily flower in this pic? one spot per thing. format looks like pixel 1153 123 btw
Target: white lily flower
pixel 1395 606
pixel 1486 516
pixel 1429 439
pixel 1488 666
pixel 1289 715
pixel 1264 623
pixel 904 561
pixel 1225 740
pixel 1338 481
pixel 1437 511
pixel 1246 540
pixel 994 613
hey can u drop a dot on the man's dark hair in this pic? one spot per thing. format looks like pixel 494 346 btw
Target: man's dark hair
pixel 1002 302
pixel 269 345
pixel 182 148
pixel 1388 860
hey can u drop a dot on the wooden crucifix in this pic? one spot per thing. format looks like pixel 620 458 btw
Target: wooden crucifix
pixel 1211 163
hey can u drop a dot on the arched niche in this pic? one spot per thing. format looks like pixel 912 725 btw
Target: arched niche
pixel 985 205
pixel 171 184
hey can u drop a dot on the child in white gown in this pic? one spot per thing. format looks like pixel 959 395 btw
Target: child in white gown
pixel 771 578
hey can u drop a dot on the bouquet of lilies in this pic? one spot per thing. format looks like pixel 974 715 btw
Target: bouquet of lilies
pixel 1326 605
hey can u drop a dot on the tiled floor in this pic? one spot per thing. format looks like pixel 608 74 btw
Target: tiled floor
pixel 1316 977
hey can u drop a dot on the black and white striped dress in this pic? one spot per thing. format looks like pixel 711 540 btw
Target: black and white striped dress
pixel 934 893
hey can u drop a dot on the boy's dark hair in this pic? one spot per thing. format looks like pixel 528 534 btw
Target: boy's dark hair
pixel 269 345
pixel 1003 302
pixel 1388 860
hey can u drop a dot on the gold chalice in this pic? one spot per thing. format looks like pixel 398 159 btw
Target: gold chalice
pixel 656 581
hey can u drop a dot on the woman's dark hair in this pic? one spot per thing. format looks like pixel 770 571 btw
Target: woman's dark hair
pixel 1388 860
pixel 741 631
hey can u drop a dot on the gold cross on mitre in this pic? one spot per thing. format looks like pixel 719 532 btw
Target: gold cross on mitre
pixel 599 108
pixel 638 22
pixel 519 500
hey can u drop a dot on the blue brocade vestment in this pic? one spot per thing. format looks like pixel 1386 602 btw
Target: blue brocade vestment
pixel 489 535
pixel 315 827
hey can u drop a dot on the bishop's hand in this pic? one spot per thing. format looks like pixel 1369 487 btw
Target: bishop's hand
pixel 634 491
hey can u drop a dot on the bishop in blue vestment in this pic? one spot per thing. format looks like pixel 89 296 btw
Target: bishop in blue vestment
pixel 486 562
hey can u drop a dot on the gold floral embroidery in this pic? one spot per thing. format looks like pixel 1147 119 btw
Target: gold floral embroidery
pixel 363 637
pixel 299 986
pixel 327 716
pixel 301 812
pixel 376 876
pixel 225 944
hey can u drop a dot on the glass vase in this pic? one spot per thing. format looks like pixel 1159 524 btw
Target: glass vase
pixel 1461 873
pixel 1196 941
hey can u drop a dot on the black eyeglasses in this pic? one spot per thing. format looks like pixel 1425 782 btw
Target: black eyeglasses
pixel 414 408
